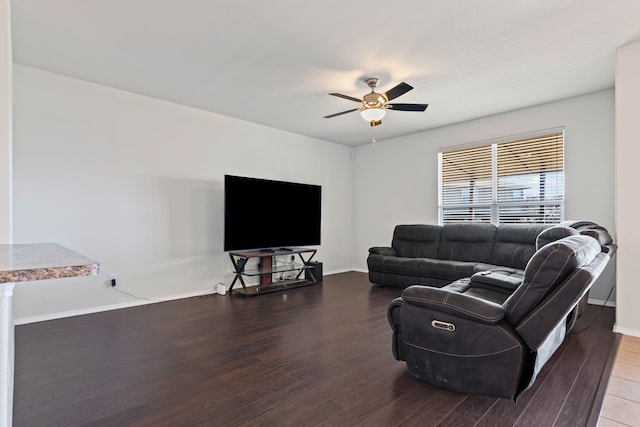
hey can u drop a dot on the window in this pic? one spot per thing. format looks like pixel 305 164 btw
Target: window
pixel 517 181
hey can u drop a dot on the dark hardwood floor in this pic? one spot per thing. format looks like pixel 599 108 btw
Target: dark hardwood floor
pixel 318 356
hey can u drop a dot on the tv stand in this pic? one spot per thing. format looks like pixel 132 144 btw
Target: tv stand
pixel 303 268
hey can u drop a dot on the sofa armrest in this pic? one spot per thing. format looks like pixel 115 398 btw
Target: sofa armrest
pixel 382 250
pixel 393 313
pixel 454 303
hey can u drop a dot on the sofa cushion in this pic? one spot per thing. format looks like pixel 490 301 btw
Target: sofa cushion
pixel 515 244
pixel 479 290
pixel 600 234
pixel 421 267
pixel 443 269
pixel 382 250
pixel 495 279
pixel 547 268
pixel 552 234
pixel 416 241
pixel 555 308
pixel 401 281
pixel 467 242
pixel 448 301
pixel 594 230
pixel 509 271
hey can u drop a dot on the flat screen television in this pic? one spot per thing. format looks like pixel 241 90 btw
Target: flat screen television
pixel 266 214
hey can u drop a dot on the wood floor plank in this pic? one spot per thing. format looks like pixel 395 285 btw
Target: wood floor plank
pixel 630 343
pixel 626 389
pixel 475 406
pixel 629 357
pixel 621 410
pixel 404 405
pixel 437 410
pixel 629 372
pixel 318 355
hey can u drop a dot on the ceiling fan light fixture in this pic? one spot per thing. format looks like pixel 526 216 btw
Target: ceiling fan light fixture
pixel 373 114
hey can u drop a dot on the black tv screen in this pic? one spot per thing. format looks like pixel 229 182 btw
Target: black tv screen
pixel 265 214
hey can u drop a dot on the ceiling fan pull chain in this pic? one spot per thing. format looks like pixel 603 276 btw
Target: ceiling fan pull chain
pixel 373 135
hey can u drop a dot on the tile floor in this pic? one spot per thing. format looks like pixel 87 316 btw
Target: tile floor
pixel 621 406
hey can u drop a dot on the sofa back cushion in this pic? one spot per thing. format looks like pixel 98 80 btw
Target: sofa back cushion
pixel 554 233
pixel 467 242
pixel 416 241
pixel 549 267
pixel 515 244
pixel 535 326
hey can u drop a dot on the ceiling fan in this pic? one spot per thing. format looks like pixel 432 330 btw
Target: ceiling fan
pixel 375 105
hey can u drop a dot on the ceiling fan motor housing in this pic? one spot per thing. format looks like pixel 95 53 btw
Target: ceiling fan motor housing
pixel 373 100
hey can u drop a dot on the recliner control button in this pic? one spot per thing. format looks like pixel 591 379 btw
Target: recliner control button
pixel 445 326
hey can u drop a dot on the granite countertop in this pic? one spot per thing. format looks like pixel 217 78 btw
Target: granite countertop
pixel 40 261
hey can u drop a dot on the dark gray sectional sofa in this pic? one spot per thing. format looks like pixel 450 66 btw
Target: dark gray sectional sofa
pixel 436 255
pixel 496 303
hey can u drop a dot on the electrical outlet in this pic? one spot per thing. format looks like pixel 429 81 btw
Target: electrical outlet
pixel 112 279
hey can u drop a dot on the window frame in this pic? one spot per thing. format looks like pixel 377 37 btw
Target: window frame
pixel 494 204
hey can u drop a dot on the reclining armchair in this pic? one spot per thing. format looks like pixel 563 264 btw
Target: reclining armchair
pixel 492 333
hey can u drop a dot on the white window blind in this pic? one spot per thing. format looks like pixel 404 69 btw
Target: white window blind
pixel 518 181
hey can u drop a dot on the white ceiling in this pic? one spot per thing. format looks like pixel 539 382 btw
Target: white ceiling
pixel 274 62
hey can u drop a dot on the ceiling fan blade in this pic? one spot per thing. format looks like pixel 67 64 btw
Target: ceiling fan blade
pixel 407 107
pixel 398 90
pixel 375 122
pixel 350 98
pixel 340 113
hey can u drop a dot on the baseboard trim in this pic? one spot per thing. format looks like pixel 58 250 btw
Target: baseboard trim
pixel 101 308
pixel 601 302
pixel 128 304
pixel 342 270
pixel 625 331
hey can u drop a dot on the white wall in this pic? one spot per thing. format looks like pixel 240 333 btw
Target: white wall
pixel 6 85
pixel 6 289
pixel 137 184
pixel 396 182
pixel 627 194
